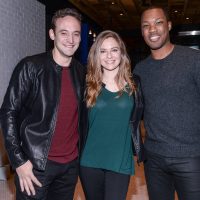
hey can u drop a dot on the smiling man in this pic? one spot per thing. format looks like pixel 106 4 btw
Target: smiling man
pixel 170 79
pixel 41 115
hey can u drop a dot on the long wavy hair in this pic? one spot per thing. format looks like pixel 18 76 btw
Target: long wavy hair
pixel 95 71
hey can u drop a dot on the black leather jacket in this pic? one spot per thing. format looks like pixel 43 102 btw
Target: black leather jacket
pixel 29 110
pixel 135 122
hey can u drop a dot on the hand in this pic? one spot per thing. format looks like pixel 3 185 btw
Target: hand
pixel 27 178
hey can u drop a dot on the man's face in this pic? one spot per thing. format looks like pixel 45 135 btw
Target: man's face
pixel 66 36
pixel 155 28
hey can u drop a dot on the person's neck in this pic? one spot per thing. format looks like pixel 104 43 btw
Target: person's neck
pixel 109 76
pixel 109 80
pixel 61 60
pixel 162 52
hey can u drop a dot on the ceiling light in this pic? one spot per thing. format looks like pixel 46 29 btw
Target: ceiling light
pixel 121 14
pixel 187 18
pixel 188 33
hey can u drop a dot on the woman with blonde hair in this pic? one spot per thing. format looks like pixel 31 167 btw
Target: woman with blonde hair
pixel 114 102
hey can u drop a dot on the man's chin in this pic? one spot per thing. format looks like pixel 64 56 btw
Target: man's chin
pixel 154 48
pixel 69 54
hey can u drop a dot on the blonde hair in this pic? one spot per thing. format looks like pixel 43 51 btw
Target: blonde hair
pixel 95 71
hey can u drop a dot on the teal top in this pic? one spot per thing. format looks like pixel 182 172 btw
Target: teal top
pixel 109 144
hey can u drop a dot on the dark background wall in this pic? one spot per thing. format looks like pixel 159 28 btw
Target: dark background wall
pixel 137 49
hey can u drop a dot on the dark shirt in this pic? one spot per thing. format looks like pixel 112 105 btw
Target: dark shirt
pixel 171 90
pixel 64 143
pixel 109 144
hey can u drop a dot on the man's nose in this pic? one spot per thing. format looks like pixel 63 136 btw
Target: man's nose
pixel 70 38
pixel 152 28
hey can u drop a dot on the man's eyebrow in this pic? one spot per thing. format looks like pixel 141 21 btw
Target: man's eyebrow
pixel 146 21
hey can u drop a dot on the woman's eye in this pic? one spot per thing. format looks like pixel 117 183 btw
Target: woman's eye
pixel 115 50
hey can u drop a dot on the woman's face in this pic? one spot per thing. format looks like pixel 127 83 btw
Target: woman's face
pixel 110 54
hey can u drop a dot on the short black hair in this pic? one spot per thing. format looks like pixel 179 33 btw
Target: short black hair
pixel 164 9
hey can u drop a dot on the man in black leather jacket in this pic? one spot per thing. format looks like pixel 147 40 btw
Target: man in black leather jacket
pixel 42 117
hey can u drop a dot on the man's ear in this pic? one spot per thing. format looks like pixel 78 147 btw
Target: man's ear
pixel 51 34
pixel 169 25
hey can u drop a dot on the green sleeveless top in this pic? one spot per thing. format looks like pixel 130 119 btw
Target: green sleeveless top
pixel 109 144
